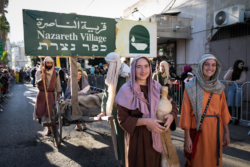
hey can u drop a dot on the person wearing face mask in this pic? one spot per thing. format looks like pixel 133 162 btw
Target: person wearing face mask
pixel 205 115
pixel 53 85
pixel 237 73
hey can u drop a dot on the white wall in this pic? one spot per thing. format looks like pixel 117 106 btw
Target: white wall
pixel 188 52
pixel 191 51
pixel 18 57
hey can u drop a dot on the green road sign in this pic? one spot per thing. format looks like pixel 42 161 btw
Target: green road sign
pixel 1 49
pixel 58 34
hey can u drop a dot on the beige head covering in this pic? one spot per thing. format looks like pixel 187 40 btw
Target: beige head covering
pixel 114 61
pixel 49 59
pixel 165 75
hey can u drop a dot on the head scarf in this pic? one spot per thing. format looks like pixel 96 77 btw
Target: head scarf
pixel 114 61
pixel 197 86
pixel 131 97
pixel 187 69
pixel 49 59
pixel 83 83
pixel 165 75
pixel 125 71
pixel 236 71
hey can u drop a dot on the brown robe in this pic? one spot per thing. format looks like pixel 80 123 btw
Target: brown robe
pixel 41 106
pixel 139 151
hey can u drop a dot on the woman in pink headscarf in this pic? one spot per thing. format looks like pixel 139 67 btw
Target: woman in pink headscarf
pixel 137 103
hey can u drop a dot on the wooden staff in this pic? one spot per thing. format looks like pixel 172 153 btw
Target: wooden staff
pixel 45 88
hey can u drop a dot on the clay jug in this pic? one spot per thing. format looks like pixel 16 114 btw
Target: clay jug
pixel 164 106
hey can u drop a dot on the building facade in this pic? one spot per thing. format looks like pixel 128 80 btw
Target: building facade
pixel 19 60
pixel 185 29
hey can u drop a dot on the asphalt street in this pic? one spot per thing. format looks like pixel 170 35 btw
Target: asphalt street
pixel 22 140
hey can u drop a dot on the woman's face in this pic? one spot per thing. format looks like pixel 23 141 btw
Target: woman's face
pixel 209 68
pixel 142 70
pixel 240 65
pixel 162 69
pixel 79 76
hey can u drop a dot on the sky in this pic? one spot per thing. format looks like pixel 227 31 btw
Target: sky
pixel 102 8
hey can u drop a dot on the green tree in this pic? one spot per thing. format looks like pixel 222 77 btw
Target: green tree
pixel 4 24
pixel 4 59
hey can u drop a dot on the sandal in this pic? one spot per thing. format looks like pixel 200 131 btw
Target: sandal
pixel 48 133
pixel 77 128
pixel 84 127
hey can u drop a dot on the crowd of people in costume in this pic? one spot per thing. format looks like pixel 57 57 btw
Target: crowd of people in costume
pixel 6 79
pixel 132 95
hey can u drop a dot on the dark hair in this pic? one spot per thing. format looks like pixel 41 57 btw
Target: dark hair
pixel 236 71
pixel 61 74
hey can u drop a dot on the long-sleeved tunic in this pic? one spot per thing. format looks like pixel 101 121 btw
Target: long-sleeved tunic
pixel 209 146
pixel 138 139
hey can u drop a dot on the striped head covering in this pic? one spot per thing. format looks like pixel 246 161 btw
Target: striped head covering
pixel 196 87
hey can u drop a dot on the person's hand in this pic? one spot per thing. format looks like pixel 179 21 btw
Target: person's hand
pixel 169 82
pixel 156 66
pixel 154 125
pixel 101 115
pixel 80 92
pixel 58 99
pixel 226 140
pixel 231 69
pixel 169 121
pixel 173 75
pixel 42 76
pixel 188 145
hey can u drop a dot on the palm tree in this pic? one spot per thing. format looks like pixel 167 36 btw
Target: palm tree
pixel 4 24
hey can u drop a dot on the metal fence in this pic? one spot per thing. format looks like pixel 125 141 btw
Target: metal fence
pixel 237 96
pixel 96 82
pixel 238 100
pixel 176 91
pixel 232 101
pixel 245 119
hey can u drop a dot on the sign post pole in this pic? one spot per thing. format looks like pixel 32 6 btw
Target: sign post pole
pixel 74 85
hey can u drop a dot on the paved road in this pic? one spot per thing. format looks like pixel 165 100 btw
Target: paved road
pixel 22 142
